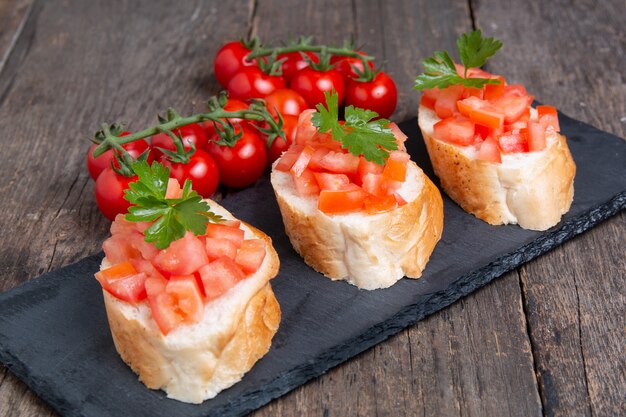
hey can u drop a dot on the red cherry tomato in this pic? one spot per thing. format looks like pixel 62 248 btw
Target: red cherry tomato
pixel 312 84
pixel 192 133
pixel 251 82
pixel 231 105
pixel 229 60
pixel 96 165
pixel 110 188
pixel 294 62
pixel 279 145
pixel 344 65
pixel 201 170
pixel 380 94
pixel 242 164
pixel 286 102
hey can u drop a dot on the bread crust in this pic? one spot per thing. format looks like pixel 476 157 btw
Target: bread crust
pixel 532 189
pixel 193 371
pixel 373 253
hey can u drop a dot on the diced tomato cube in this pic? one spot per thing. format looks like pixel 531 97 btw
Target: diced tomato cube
pixel 512 142
pixel 445 106
pixel 482 131
pixel 251 255
pixel 303 161
pixel 512 106
pixel 317 157
pixel 536 137
pixel 340 162
pixel 341 201
pixel 428 102
pixel 375 204
pixel 368 167
pixel 466 106
pixel 138 241
pixel 286 161
pixel 399 135
pixel 306 184
pixel 457 130
pixel 489 151
pixel 217 247
pixel 516 90
pixel 374 184
pixel 305 129
pixel 173 189
pixel 231 223
pixel 145 266
pixel 221 230
pixel 118 249
pixel 219 276
pixel 550 121
pixel 493 91
pixel 399 199
pixel 155 285
pixel 395 166
pixel 183 256
pixel 187 297
pixel 478 73
pixel 123 282
pixel 164 312
pixel 541 110
pixel 328 181
pixel 472 92
pixel 487 117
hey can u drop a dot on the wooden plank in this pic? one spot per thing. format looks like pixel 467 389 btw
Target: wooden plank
pixel 450 363
pixel 13 14
pixel 89 62
pixel 572 57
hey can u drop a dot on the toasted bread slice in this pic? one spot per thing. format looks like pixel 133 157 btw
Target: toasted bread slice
pixel 369 251
pixel 532 189
pixel 195 362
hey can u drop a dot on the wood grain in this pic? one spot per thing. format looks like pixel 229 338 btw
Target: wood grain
pixel 13 14
pixel 574 297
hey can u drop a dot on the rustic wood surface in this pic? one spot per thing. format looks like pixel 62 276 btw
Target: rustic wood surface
pixel 547 339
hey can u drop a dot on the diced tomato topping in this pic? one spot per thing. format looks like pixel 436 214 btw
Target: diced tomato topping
pixel 217 247
pixel 512 106
pixel 536 137
pixel 155 285
pixel 219 276
pixel 341 201
pixel 173 189
pixel 472 92
pixel 374 184
pixel 183 256
pixel 542 110
pixel 187 297
pixel 457 130
pixel 145 266
pixel 327 181
pixel 487 117
pixel 489 151
pixel 445 106
pixel 369 167
pixel 317 157
pixel 399 199
pixel 513 142
pixel 399 135
pixel 305 129
pixel 289 158
pixel 303 161
pixel 231 223
pixel 220 230
pixel 138 241
pixel 375 204
pixel 118 249
pixel 340 162
pixel 550 121
pixel 123 282
pixel 164 312
pixel 251 255
pixel 395 167
pixel 493 91
pixel 428 102
pixel 515 89
pixel 483 131
pixel 466 106
pixel 306 183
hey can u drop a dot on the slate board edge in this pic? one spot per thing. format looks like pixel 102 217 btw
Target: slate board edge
pixel 463 286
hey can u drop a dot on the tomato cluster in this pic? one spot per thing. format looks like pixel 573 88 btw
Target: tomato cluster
pixel 303 73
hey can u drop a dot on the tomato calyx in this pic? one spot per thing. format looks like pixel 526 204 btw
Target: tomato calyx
pixel 180 155
pixel 121 156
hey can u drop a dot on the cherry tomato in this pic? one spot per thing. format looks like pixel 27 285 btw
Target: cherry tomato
pixel 344 66
pixel 286 102
pixel 231 105
pixel 110 188
pixel 229 60
pixel 96 165
pixel 379 95
pixel 294 61
pixel 201 170
pixel 251 82
pixel 192 133
pixel 242 164
pixel 311 84
pixel 279 145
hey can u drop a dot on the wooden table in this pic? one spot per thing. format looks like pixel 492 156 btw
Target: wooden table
pixel 546 339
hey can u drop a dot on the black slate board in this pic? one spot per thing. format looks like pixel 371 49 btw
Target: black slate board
pixel 54 334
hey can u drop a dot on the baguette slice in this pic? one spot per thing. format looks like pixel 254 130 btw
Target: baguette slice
pixel 195 362
pixel 531 189
pixel 369 251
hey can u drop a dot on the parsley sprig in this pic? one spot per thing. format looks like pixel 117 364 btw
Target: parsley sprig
pixel 360 134
pixel 440 71
pixel 172 217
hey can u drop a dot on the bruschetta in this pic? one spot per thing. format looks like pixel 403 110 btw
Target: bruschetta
pixel 497 157
pixel 369 223
pixel 193 318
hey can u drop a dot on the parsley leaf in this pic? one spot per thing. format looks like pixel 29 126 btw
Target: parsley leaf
pixel 440 71
pixel 360 135
pixel 172 217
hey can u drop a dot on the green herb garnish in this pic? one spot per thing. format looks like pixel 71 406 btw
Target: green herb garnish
pixel 440 71
pixel 172 217
pixel 360 135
